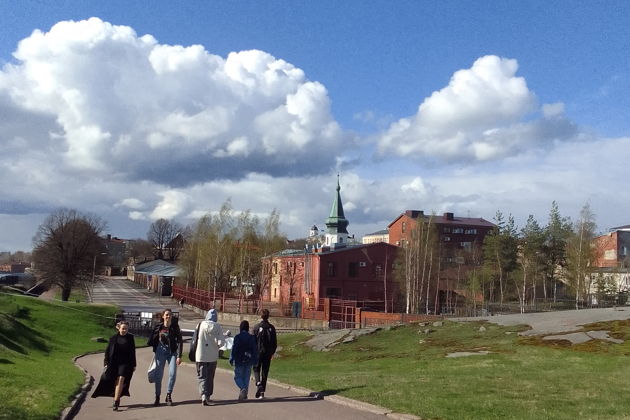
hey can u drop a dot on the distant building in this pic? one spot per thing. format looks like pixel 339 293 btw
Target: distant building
pixel 458 236
pixel 379 236
pixel 336 268
pixel 611 265
pixel 14 267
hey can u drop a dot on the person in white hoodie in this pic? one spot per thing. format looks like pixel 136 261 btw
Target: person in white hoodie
pixel 207 344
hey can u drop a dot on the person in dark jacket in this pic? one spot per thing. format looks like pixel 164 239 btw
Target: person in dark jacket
pixel 120 363
pixel 243 356
pixel 267 343
pixel 167 343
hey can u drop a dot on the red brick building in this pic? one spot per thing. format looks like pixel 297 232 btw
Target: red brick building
pixel 612 249
pixel 335 269
pixel 361 272
pixel 458 236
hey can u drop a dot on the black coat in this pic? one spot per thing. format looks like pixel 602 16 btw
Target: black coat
pixel 107 382
pixel 176 343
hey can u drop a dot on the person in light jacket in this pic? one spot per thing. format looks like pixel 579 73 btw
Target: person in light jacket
pixel 167 343
pixel 206 343
pixel 243 356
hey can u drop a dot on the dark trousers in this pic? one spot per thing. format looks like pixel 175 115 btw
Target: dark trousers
pixel 261 371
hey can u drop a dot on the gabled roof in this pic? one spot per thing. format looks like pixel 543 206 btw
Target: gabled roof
pixel 378 232
pixel 446 218
pixel 159 268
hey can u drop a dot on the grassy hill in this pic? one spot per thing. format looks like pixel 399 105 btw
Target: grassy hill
pixel 38 340
pixel 407 370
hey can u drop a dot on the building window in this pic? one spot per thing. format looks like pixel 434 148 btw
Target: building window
pixel 353 269
pixel 447 230
pixel 471 231
pixel 466 245
pixel 447 238
pixel 331 269
pixel 333 292
pixel 404 227
pixel 458 230
pixel 275 268
pixel 623 251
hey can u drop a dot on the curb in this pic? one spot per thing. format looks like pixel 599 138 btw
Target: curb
pixel 69 412
pixel 337 399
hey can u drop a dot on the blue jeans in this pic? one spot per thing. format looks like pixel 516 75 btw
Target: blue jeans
pixel 163 355
pixel 241 375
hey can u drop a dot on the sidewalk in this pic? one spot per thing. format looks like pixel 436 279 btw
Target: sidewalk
pixel 281 402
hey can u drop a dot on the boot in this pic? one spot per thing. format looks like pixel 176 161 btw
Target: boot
pixel 157 401
pixel 116 405
pixel 169 400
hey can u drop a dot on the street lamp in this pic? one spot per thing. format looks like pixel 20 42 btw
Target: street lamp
pixel 93 276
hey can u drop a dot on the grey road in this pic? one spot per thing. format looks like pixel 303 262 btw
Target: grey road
pixel 130 296
pixel 280 403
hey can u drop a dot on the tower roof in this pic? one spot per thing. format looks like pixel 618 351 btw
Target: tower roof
pixel 337 222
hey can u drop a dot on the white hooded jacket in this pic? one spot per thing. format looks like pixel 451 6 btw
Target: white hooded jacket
pixel 209 340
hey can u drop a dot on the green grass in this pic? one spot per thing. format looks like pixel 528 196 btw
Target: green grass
pixel 402 369
pixel 38 340
pixel 522 378
pixel 77 295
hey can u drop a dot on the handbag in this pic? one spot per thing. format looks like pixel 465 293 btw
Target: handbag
pixel 193 345
pixel 152 372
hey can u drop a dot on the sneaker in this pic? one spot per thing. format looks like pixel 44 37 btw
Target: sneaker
pixel 242 395
pixel 260 395
pixel 169 400
pixel 258 392
pixel 116 405
pixel 204 400
pixel 157 401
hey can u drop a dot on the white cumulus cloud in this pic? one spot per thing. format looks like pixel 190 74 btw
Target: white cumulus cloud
pixel 118 102
pixel 480 116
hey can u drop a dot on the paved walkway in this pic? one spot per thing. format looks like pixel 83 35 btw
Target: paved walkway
pixel 281 403
pixel 560 322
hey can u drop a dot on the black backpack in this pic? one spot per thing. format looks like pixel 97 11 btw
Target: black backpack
pixel 264 338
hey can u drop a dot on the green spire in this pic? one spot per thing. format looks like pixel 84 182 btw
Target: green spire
pixel 337 222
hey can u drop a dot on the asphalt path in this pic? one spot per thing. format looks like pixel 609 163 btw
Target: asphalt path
pixel 130 296
pixel 559 322
pixel 279 402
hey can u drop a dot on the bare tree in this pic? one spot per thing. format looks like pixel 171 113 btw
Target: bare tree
pixel 67 247
pixel 165 237
pixel 140 249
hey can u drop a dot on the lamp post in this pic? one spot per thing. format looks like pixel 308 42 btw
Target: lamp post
pixel 93 276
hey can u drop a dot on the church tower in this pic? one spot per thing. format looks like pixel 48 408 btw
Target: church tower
pixel 337 224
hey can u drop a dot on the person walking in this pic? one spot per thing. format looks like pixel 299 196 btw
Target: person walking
pixel 267 343
pixel 207 339
pixel 167 343
pixel 120 363
pixel 243 356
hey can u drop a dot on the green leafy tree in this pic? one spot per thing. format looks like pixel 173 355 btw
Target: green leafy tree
pixel 580 255
pixel 531 259
pixel 500 249
pixel 557 234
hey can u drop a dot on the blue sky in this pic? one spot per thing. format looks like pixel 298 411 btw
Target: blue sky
pixel 442 106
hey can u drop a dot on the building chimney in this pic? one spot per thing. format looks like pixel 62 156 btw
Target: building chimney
pixel 414 214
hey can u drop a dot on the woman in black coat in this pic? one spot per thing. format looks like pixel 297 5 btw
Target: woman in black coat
pixel 120 363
